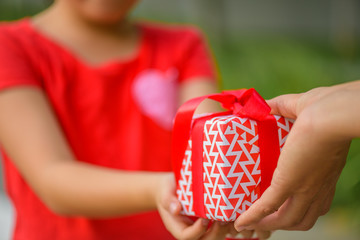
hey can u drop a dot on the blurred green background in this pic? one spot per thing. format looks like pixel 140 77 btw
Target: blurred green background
pixel 277 47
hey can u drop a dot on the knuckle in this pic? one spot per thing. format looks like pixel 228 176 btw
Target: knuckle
pixel 294 222
pixel 267 210
pixel 289 223
pixel 325 210
pixel 280 182
pixel 306 226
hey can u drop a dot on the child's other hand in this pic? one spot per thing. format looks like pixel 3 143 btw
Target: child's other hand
pixel 182 227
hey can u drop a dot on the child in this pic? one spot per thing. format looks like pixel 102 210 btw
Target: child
pixel 87 100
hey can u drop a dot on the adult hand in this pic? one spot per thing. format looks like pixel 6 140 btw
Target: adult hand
pixel 311 160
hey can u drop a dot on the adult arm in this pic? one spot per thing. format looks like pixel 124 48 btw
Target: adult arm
pixel 303 185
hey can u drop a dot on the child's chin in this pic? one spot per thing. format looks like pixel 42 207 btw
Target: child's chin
pixel 106 13
pixel 106 19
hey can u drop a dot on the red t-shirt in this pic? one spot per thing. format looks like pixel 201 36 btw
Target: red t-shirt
pixel 116 115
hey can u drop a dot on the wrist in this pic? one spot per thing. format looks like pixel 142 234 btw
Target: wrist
pixel 157 186
pixel 328 119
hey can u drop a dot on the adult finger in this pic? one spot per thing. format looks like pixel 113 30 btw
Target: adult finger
pixel 290 214
pixel 287 220
pixel 316 209
pixel 232 232
pixel 284 105
pixel 309 219
pixel 327 203
pixel 247 233
pixel 270 202
pixel 262 235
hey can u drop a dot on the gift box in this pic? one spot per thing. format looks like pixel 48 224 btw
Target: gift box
pixel 223 162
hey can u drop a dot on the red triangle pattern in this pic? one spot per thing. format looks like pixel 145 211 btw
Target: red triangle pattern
pixel 237 197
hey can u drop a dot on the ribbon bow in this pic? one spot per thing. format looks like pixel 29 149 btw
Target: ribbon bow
pixel 246 103
pixel 242 103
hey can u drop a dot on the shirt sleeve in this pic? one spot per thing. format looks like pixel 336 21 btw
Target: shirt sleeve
pixel 197 60
pixel 16 67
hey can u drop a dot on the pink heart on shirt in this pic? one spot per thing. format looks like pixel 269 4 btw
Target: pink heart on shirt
pixel 155 93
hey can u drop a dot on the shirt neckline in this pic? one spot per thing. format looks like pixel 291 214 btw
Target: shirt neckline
pixel 108 65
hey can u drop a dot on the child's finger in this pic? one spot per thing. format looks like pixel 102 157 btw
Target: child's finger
pixel 218 231
pixel 194 231
pixel 174 207
pixel 181 228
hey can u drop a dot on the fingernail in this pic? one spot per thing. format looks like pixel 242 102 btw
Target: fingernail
pixel 205 222
pixel 173 207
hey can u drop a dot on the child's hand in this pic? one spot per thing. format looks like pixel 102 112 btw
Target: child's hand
pixel 249 234
pixel 312 159
pixel 181 227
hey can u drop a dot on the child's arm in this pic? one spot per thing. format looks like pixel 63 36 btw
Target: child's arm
pixel 312 159
pixel 200 87
pixel 31 136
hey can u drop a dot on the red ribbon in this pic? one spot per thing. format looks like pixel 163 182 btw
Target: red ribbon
pixel 242 103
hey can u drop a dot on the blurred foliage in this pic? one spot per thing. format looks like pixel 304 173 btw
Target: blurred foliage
pixel 279 65
pixel 274 65
pixel 348 188
pixel 10 10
